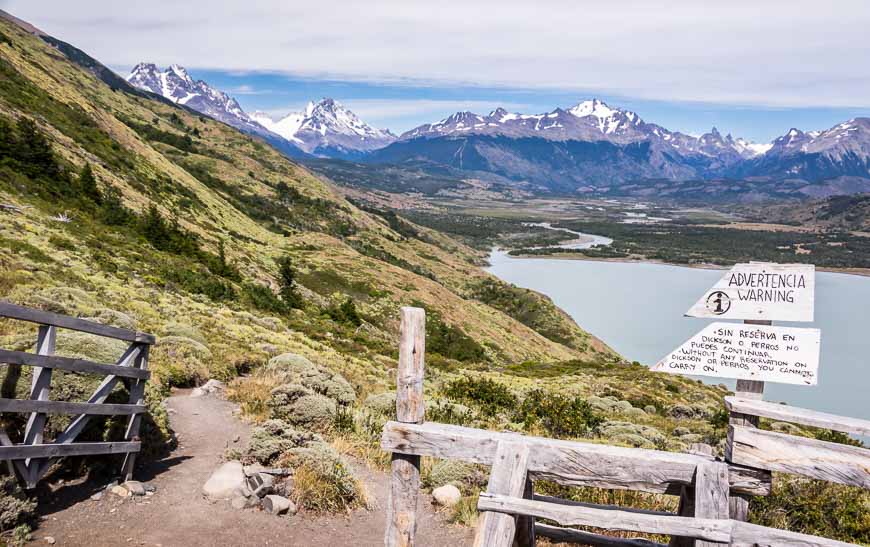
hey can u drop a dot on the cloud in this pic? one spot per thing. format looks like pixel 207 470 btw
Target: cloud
pixel 777 53
pixel 245 89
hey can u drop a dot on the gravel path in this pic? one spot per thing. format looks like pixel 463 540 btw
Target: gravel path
pixel 178 515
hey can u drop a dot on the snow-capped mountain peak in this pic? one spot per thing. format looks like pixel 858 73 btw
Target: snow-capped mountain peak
pixel 327 128
pixel 176 84
pixel 608 120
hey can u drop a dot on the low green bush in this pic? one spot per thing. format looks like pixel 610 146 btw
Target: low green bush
pixel 559 415
pixel 485 395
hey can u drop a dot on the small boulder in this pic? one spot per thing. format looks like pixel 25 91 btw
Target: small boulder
pixel 447 495
pixel 260 484
pixel 97 496
pixel 120 491
pixel 225 480
pixel 197 392
pixel 212 386
pixel 50 540
pixel 277 505
pixel 135 488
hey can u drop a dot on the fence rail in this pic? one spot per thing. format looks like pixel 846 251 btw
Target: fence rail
pixel 713 493
pixel 33 457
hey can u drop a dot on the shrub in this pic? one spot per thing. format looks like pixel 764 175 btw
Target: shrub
pixel 180 361
pixel 559 415
pixel 382 403
pixel 275 437
pixel 15 507
pixel 488 396
pixel 815 507
pixel 287 281
pixel 88 346
pixel 296 369
pixel 450 341
pixel 345 313
pixel 449 413
pixel 451 472
pixel 322 479
pixel 314 411
pixel 262 298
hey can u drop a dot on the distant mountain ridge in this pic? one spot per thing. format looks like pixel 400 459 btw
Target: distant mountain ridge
pixel 590 147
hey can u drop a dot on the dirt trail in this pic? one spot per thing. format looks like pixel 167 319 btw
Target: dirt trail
pixel 178 515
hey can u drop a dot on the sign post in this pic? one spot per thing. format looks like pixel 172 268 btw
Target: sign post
pixel 755 352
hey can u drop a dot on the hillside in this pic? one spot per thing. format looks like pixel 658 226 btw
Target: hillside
pixel 227 194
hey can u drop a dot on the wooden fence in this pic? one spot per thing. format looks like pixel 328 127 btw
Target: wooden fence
pixel 32 458
pixel 713 493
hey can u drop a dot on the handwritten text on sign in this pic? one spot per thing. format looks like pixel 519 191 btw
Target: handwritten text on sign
pixel 759 290
pixel 749 352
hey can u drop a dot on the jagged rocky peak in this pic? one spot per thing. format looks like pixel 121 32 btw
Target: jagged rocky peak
pixel 328 128
pixel 176 84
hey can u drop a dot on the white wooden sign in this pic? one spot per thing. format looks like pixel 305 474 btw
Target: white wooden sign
pixel 749 352
pixel 763 291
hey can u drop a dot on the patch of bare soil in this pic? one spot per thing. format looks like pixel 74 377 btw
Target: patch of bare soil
pixel 178 515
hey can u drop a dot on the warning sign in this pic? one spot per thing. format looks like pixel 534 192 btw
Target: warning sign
pixel 761 291
pixel 749 352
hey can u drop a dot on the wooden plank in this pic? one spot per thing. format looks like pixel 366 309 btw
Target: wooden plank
pixel 801 456
pixel 525 536
pixel 22 313
pixel 709 529
pixel 711 494
pixel 409 375
pixel 685 509
pixel 571 535
pixel 401 526
pixel 53 450
pixel 561 501
pixel 572 463
pixel 746 389
pixel 508 477
pixel 60 407
pixel 17 465
pixel 39 391
pixel 743 533
pixel 67 363
pixel 797 415
pixel 137 397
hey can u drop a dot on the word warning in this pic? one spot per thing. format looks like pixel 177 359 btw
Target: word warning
pixel 749 352
pixel 762 291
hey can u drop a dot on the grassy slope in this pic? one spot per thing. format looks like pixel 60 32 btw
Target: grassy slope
pixel 323 241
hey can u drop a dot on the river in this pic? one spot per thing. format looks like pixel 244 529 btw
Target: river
pixel 637 308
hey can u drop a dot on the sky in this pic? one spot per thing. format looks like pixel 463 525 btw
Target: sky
pixel 751 68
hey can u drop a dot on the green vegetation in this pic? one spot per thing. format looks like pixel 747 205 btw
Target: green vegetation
pixel 689 244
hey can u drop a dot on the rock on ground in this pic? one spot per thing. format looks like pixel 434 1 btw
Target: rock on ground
pixel 225 481
pixel 277 505
pixel 447 495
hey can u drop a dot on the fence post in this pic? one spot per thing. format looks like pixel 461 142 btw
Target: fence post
pixel 746 389
pixel 39 390
pixel 405 472
pixel 137 397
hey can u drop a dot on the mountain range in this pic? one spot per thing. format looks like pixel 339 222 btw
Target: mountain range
pixel 588 148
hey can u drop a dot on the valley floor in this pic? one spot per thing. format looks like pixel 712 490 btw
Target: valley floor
pixel 178 515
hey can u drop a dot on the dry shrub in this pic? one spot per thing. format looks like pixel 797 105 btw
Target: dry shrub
pixel 323 480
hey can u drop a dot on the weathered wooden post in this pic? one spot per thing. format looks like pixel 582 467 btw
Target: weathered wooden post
pixel 405 475
pixel 508 477
pixel 746 389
